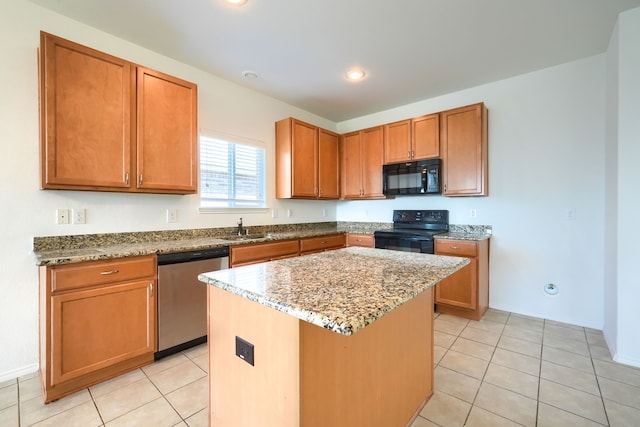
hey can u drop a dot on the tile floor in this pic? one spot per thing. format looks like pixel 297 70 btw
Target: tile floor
pixel 170 392
pixel 513 370
pixel 505 370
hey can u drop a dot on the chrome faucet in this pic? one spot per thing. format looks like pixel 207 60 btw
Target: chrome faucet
pixel 240 227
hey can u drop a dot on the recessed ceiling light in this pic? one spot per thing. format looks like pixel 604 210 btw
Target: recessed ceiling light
pixel 235 2
pixel 355 74
pixel 251 75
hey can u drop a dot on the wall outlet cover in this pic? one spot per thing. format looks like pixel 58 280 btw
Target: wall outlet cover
pixel 244 350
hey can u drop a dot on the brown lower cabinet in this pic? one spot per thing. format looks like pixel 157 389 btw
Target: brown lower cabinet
pixel 262 252
pixel 364 240
pixel 311 245
pixel 466 292
pixel 97 321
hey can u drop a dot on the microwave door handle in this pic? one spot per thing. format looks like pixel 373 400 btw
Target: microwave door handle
pixel 425 181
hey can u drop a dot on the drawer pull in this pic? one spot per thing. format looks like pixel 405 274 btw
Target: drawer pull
pixel 106 273
pixel 454 247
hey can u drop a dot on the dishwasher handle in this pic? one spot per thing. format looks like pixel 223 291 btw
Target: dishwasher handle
pixel 179 257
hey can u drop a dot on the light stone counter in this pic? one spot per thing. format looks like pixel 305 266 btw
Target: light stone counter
pixel 342 290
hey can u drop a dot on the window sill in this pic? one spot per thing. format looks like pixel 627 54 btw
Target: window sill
pixel 233 210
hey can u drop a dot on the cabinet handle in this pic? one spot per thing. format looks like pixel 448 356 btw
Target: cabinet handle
pixel 408 154
pixel 454 247
pixel 413 154
pixel 106 273
pixel 150 289
pixel 140 179
pixel 126 178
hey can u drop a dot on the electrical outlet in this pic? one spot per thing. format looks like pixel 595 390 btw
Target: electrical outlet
pixel 274 213
pixel 172 215
pixel 62 216
pixel 324 212
pixel 289 213
pixel 571 214
pixel 244 350
pixel 78 216
pixel 473 213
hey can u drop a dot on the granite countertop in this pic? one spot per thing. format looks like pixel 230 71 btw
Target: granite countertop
pixel 342 290
pixel 462 235
pixel 110 249
pixel 58 250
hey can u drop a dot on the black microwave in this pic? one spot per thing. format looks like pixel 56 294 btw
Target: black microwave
pixel 411 178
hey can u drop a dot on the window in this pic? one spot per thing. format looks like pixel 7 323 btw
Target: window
pixel 232 174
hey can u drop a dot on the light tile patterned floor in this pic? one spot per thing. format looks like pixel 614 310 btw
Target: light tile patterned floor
pixel 171 392
pixel 513 370
pixel 505 370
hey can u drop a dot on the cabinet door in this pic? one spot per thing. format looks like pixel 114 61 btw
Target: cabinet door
pixel 351 166
pixel 261 252
pixel 97 328
pixel 304 159
pixel 397 142
pixel 328 165
pixel 85 108
pixel 425 135
pixel 363 240
pixel 167 134
pixel 372 152
pixel 460 289
pixel 322 243
pixel 464 151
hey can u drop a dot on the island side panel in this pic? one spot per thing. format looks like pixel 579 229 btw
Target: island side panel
pixel 245 395
pixel 380 376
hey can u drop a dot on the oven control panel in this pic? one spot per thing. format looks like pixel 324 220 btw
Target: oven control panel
pixel 421 216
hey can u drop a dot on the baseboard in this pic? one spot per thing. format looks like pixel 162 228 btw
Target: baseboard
pixel 627 360
pixel 17 373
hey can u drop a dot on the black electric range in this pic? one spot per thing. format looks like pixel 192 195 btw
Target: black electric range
pixel 413 230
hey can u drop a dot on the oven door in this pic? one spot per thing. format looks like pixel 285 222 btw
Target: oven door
pixel 403 243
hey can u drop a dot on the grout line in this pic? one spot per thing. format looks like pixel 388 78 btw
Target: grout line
pixel 95 404
pixel 595 374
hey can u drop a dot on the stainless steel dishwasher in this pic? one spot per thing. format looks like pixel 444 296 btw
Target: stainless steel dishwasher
pixel 182 298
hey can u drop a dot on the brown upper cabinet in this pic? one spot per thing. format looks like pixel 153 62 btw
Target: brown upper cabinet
pixel 111 125
pixel 412 139
pixel 362 157
pixel 307 161
pixel 464 140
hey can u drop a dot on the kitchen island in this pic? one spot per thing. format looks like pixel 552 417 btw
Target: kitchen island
pixel 339 338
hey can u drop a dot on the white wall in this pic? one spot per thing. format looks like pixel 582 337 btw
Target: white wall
pixel 27 211
pixel 546 155
pixel 623 136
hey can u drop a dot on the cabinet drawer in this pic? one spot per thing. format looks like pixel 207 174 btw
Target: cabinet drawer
pixel 100 272
pixel 320 243
pixel 364 240
pixel 262 252
pixel 456 247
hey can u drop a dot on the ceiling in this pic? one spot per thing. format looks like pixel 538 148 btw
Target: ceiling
pixel 411 50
